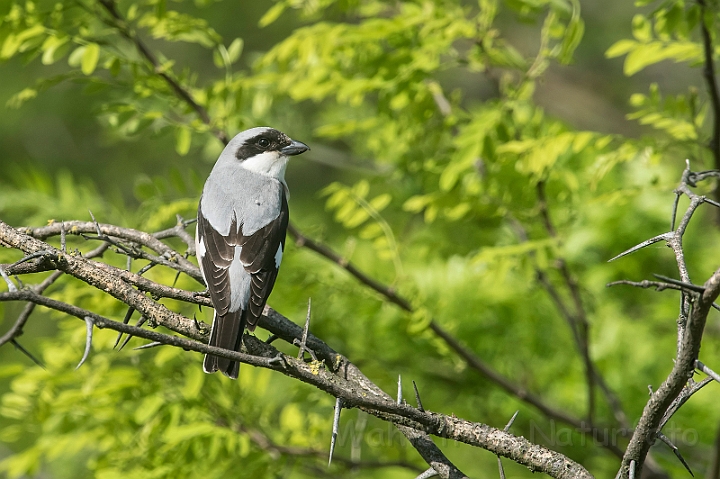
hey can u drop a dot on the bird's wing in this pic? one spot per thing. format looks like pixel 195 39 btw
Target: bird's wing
pixel 261 255
pixel 215 255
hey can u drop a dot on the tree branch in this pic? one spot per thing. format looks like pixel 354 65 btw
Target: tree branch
pixel 694 308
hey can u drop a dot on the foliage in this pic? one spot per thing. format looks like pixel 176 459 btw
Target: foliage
pixel 455 199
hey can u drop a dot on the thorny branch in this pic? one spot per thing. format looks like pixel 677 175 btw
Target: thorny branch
pixel 338 377
pixel 695 304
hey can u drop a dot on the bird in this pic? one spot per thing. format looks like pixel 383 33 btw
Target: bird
pixel 242 220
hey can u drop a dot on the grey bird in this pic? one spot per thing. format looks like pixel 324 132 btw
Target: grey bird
pixel 240 236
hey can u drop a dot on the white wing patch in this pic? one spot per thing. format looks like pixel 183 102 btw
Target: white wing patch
pixel 200 249
pixel 239 283
pixel 278 257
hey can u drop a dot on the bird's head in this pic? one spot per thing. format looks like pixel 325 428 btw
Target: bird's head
pixel 264 150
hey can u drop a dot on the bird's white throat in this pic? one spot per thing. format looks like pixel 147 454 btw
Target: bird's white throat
pixel 270 163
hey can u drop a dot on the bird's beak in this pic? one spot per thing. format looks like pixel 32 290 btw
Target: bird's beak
pixel 294 148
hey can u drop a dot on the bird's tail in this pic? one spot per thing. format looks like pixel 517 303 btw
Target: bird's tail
pixel 226 333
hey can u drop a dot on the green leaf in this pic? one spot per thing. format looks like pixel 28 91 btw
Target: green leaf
pixel 235 50
pixel 621 47
pixel 642 28
pixel 417 203
pixel 49 48
pixel 272 14
pixel 361 189
pixel 10 46
pixel 183 139
pixel 90 58
pixel 380 202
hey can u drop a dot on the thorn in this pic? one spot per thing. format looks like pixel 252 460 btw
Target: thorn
pixel 511 421
pixel 335 427
pixel 140 322
pixel 27 353
pixel 699 364
pixel 714 203
pixel 128 264
pixel 126 320
pixel 197 325
pixel 506 429
pixel 176 279
pixel 631 472
pixel 146 268
pixel 399 394
pixel 417 398
pixel 154 344
pixel 63 241
pixel 97 226
pixel 674 210
pixel 672 446
pixel 500 468
pixel 271 338
pixel 665 236
pixel 302 344
pixel 11 286
pixel 427 474
pixel 37 254
pixel 88 341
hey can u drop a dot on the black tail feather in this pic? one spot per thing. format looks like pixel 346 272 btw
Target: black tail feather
pixel 226 333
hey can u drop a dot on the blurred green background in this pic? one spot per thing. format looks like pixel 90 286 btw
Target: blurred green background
pixel 432 202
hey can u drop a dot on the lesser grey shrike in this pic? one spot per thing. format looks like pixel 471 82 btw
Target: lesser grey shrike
pixel 241 224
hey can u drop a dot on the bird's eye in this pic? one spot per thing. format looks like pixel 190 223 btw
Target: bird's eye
pixel 263 142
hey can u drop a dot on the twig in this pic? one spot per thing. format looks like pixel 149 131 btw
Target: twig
pixel 399 390
pixel 690 389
